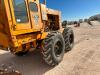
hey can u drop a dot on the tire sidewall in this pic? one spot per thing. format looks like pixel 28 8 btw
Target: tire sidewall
pixel 69 32
pixel 57 38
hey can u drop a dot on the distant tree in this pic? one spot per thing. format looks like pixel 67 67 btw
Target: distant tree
pixel 64 23
pixel 98 19
pixel 85 20
pixel 68 22
pixel 72 22
pixel 89 22
pixel 75 22
pixel 95 17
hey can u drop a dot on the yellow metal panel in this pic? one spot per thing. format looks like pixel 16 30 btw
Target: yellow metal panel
pixel 53 12
pixel 3 40
pixel 42 36
pixel 44 12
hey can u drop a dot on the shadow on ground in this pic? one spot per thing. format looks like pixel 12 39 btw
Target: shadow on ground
pixel 31 64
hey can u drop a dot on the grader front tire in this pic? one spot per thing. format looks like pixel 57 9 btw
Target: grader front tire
pixel 53 48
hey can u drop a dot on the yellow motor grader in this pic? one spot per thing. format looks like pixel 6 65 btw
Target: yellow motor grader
pixel 28 24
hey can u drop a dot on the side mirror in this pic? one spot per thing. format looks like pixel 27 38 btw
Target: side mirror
pixel 64 24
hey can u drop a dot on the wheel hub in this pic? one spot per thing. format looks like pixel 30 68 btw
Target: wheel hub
pixel 71 38
pixel 58 48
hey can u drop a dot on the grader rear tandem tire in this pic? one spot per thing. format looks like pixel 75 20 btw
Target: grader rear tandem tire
pixel 68 35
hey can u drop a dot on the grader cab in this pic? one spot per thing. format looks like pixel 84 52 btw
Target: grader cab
pixel 28 24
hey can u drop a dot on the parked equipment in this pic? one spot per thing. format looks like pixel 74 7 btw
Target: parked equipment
pixel 28 24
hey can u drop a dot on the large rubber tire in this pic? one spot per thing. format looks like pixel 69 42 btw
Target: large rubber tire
pixel 53 48
pixel 68 38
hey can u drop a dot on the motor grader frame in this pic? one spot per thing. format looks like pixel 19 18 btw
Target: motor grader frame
pixel 26 24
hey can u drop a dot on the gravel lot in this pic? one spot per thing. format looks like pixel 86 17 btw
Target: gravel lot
pixel 84 59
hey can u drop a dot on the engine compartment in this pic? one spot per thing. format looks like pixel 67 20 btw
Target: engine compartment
pixel 53 23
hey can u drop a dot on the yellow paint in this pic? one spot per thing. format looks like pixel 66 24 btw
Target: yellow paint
pixel 18 34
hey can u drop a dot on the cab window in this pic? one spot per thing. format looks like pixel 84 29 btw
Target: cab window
pixel 20 11
pixel 33 7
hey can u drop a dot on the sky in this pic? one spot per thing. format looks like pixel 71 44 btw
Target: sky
pixel 75 9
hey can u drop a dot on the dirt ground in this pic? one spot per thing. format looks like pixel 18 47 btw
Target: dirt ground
pixel 83 59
